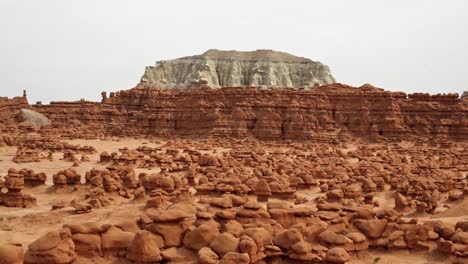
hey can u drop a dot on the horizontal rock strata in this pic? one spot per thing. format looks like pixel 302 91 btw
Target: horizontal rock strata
pixel 218 68
pixel 325 114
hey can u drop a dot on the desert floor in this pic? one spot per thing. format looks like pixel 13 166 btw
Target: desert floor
pixel 18 225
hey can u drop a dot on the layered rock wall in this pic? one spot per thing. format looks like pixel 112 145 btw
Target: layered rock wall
pixel 10 107
pixel 325 114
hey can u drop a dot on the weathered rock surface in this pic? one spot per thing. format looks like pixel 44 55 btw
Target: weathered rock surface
pixel 464 95
pixel 14 183
pixel 11 254
pixel 9 108
pixel 55 247
pixel 143 249
pixel 217 68
pixel 325 114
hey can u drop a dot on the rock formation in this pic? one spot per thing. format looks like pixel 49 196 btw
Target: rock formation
pixel 9 108
pixel 14 183
pixel 11 254
pixel 55 247
pixel 464 95
pixel 325 114
pixel 217 68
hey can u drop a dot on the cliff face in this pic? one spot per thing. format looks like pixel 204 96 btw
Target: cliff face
pixel 325 114
pixel 216 68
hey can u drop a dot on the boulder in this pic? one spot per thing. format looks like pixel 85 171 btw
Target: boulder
pixel 233 227
pixel 207 256
pixel 55 247
pixel 179 255
pixel 143 249
pixel 201 236
pixel 371 228
pixel 87 245
pixel 11 254
pixel 237 258
pixel 288 238
pixel 224 243
pixel 115 242
pixel 337 255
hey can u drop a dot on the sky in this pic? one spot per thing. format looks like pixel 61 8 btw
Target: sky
pixel 67 50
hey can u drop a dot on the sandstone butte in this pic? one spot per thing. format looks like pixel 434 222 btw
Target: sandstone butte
pixel 218 68
pixel 236 157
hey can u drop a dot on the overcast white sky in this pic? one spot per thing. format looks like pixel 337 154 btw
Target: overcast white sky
pixel 67 50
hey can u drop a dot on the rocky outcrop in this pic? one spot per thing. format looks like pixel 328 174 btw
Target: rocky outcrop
pixel 218 68
pixel 14 183
pixel 328 113
pixel 9 108
pixel 55 247
pixel 464 95
pixel 11 254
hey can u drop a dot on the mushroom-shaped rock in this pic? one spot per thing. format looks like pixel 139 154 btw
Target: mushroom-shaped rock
pixel 353 191
pixel 302 251
pixel 201 236
pixel 252 205
pixel 460 237
pixel 249 246
pixel 402 203
pixel 463 225
pixel 11 254
pixel 335 194
pixel 207 256
pixel 87 245
pixel 262 190
pixel 55 247
pixel 360 241
pixel 331 238
pixel 418 233
pixel 224 243
pixel 288 238
pixel 314 229
pixel 179 255
pixel 371 228
pixel 233 257
pixel 337 255
pixel 261 235
pixel 115 241
pixel 143 249
pixel 233 227
pixel 172 232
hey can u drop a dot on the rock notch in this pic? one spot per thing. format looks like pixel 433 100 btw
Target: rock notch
pixel 218 68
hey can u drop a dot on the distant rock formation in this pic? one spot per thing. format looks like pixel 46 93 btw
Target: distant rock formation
pixel 9 108
pixel 464 94
pixel 334 112
pixel 217 68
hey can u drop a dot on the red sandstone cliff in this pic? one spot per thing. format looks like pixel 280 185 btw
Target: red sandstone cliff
pixel 328 113
pixel 9 108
